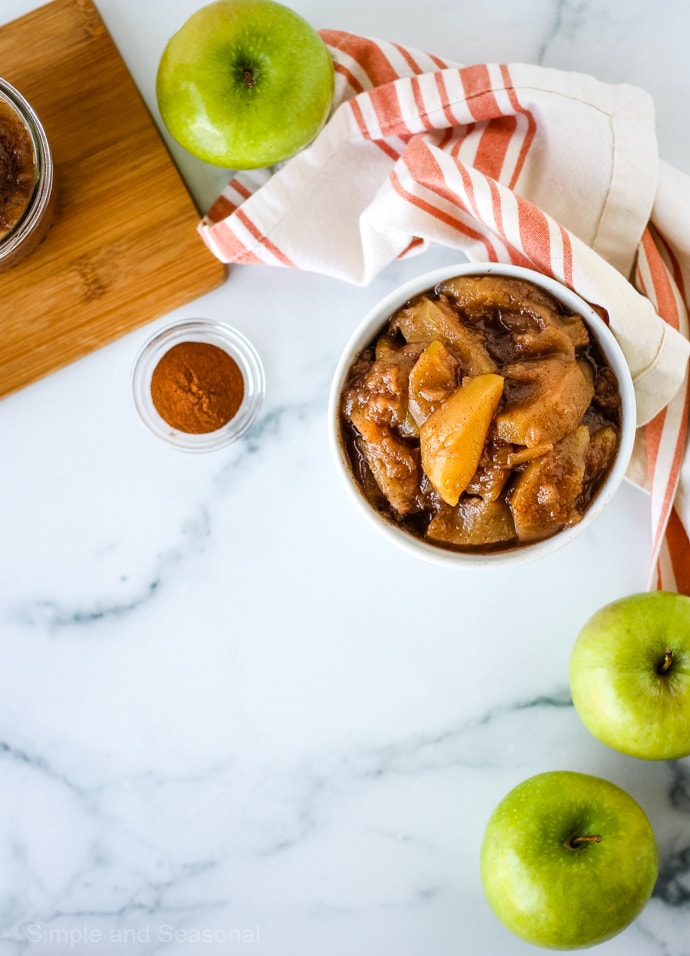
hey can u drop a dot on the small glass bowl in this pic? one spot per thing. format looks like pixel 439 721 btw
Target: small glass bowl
pixel 213 333
pixel 33 224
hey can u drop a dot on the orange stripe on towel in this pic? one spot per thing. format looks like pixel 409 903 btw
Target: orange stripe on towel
pixel 264 240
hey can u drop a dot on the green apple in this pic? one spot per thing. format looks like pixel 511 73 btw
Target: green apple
pixel 568 860
pixel 245 83
pixel 630 675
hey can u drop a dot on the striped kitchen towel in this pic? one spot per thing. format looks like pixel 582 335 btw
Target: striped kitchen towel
pixel 506 163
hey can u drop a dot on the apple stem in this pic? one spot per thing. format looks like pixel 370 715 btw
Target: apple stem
pixel 575 842
pixel 665 667
pixel 249 78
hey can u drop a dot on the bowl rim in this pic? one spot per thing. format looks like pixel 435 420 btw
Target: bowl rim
pixel 378 316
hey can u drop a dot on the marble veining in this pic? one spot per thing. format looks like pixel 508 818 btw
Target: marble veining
pixel 232 720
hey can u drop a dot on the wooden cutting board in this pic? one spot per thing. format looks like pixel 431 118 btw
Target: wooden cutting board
pixel 124 248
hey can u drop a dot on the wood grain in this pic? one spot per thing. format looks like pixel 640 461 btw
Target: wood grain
pixel 123 249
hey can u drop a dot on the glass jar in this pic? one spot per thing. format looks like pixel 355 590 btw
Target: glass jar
pixel 26 178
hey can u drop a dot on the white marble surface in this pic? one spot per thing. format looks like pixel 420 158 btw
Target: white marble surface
pixel 232 719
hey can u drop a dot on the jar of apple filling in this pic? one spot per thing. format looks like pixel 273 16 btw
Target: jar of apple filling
pixel 26 177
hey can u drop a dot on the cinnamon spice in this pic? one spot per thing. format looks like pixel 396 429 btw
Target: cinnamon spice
pixel 197 387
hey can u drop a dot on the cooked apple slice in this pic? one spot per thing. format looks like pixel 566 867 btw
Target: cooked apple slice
pixel 474 522
pixel 394 465
pixel 496 466
pixel 430 319
pixel 520 456
pixel 452 438
pixel 400 360
pixel 601 452
pixel 541 323
pixel 488 481
pixel 432 378
pixel 545 493
pixel 557 393
pixel 483 293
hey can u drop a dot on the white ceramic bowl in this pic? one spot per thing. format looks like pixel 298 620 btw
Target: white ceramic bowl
pixel 377 319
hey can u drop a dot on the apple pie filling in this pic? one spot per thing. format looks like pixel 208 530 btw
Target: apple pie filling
pixel 17 167
pixel 482 417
